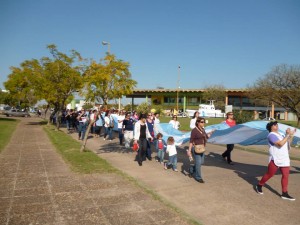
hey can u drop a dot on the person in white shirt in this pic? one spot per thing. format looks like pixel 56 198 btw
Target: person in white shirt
pixel 141 136
pixel 120 119
pixel 175 124
pixel 278 158
pixel 171 150
pixel 193 120
pixel 108 122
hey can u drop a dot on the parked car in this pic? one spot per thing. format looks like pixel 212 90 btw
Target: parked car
pixel 16 112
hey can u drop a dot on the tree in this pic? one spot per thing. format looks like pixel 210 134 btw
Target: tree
pixel 280 86
pixel 59 79
pixel 20 84
pixel 216 93
pixel 108 80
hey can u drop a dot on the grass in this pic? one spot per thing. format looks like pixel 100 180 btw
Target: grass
pixel 86 162
pixel 185 121
pixel 8 126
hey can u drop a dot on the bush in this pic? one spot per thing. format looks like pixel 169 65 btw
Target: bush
pixel 243 116
pixel 143 108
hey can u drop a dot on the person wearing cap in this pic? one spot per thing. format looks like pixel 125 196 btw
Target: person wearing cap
pixel 278 158
pixel 227 154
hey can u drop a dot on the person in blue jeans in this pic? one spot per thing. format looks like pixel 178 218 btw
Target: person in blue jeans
pixel 198 137
pixel 171 150
pixel 160 146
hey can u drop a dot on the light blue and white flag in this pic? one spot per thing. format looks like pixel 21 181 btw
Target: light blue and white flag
pixel 250 133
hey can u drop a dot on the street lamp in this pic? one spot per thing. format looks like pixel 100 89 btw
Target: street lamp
pixel 178 86
pixel 108 45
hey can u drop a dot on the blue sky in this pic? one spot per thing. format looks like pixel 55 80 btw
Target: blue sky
pixel 228 42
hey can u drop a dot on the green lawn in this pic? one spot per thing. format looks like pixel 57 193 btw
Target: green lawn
pixel 8 126
pixel 185 122
pixel 82 162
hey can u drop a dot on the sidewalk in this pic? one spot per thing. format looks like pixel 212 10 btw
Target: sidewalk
pixel 37 187
pixel 228 195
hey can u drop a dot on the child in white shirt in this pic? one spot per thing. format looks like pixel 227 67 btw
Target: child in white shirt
pixel 171 150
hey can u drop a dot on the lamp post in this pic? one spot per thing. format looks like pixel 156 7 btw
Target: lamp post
pixel 178 86
pixel 108 50
pixel 108 45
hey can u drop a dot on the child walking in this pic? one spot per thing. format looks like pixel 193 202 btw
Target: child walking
pixel 160 147
pixel 171 149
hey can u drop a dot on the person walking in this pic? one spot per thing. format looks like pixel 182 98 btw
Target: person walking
pixel 108 125
pixel 175 124
pixel 128 125
pixel 141 135
pixel 83 120
pixel 120 119
pixel 198 137
pixel 160 146
pixel 150 126
pixel 278 158
pixel 193 120
pixel 227 154
pixel 171 150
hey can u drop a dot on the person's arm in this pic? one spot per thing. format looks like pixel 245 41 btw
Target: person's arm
pixel 282 142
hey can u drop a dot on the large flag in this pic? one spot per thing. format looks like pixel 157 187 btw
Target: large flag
pixel 251 133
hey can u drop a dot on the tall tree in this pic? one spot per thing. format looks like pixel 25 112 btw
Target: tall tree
pixel 281 86
pixel 60 77
pixel 108 79
pixel 20 83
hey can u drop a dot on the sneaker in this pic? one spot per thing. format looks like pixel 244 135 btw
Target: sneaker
pixel 175 170
pixel 201 181
pixel 165 166
pixel 259 189
pixel 103 139
pixel 286 196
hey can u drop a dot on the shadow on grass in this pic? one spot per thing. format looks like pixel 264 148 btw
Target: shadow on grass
pixel 7 119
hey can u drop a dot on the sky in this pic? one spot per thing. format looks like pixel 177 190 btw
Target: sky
pixel 215 42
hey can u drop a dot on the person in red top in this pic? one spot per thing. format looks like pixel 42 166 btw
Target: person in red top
pixel 227 154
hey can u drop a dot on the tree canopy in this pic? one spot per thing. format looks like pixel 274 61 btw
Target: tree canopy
pixel 108 79
pixel 280 86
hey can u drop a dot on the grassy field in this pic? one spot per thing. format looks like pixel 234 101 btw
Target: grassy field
pixel 85 162
pixel 7 128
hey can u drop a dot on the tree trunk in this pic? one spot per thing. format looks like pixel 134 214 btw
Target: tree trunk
pixel 86 135
pixel 58 119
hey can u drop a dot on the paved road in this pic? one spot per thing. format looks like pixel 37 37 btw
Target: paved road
pixel 37 187
pixel 228 195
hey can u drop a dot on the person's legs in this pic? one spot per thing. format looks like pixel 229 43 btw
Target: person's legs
pixel 198 161
pixel 121 136
pixel 174 162
pixel 142 150
pixel 272 168
pixel 105 132
pixel 110 133
pixel 285 171
pixel 149 151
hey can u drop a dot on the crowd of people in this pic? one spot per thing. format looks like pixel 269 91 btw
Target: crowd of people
pixel 139 130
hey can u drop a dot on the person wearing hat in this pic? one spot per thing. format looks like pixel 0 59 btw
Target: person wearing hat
pixel 227 154
pixel 278 158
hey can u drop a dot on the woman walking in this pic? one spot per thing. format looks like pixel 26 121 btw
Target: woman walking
pixel 278 158
pixel 227 154
pixel 198 137
pixel 141 135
